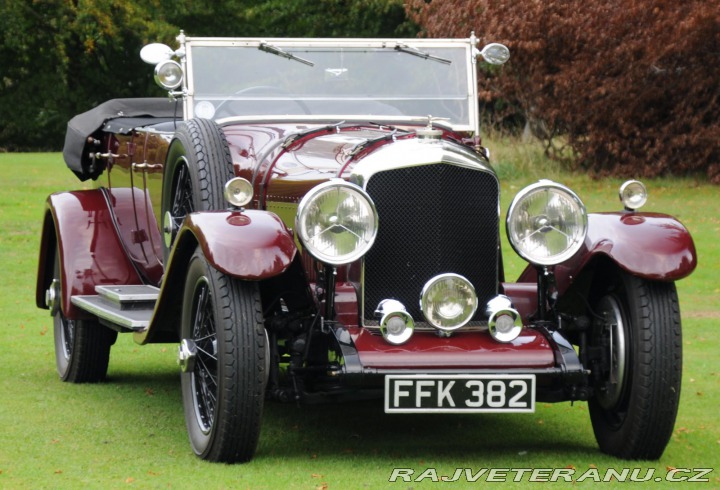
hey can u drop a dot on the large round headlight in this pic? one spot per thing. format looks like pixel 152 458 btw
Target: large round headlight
pixel 546 223
pixel 448 301
pixel 337 222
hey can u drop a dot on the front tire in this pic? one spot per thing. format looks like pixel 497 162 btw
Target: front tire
pixel 637 377
pixel 223 378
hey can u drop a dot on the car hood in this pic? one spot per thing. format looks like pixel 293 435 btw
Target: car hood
pixel 284 161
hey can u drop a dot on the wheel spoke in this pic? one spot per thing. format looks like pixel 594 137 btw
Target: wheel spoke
pixel 205 378
pixel 182 203
pixel 68 330
pixel 207 354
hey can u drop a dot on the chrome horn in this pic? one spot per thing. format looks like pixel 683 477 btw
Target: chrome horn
pixel 396 324
pixel 504 322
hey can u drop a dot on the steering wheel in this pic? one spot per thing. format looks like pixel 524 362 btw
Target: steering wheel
pixel 263 90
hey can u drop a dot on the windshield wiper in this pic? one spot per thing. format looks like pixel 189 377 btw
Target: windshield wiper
pixel 269 48
pixel 404 48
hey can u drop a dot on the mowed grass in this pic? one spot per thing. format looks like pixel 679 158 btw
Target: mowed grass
pixel 129 432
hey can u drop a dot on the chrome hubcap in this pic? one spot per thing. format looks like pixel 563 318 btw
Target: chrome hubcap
pixel 187 352
pixel 613 333
pixel 52 297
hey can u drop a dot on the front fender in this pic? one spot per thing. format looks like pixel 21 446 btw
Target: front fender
pixel 250 245
pixel 649 245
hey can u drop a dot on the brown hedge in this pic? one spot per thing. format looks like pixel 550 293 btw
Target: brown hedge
pixel 632 85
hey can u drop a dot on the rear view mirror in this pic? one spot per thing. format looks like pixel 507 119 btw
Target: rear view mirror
pixel 495 53
pixel 155 53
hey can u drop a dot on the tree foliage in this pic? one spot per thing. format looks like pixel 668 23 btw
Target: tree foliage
pixel 61 57
pixel 631 85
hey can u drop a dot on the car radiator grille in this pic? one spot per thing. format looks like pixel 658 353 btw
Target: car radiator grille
pixel 433 219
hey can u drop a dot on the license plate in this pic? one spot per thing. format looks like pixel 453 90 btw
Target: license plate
pixel 412 393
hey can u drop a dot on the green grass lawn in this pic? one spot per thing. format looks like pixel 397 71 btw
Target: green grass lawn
pixel 130 433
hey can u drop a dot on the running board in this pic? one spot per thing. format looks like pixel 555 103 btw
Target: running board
pixel 126 307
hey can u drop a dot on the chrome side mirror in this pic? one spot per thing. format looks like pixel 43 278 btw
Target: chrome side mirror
pixel 495 53
pixel 154 53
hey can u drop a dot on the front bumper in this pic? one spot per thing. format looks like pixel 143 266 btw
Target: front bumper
pixel 367 358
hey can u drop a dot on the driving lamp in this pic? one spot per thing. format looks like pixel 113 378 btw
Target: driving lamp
pixel 448 301
pixel 168 74
pixel 337 222
pixel 238 191
pixel 546 223
pixel 633 195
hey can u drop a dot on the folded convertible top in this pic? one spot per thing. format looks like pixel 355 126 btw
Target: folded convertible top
pixel 83 126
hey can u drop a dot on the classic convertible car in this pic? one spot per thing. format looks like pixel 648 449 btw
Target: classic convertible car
pixel 317 220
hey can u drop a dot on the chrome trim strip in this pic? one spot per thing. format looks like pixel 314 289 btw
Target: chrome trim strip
pixel 474 326
pixel 414 153
pixel 121 294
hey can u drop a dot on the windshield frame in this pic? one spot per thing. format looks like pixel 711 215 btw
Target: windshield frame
pixel 282 46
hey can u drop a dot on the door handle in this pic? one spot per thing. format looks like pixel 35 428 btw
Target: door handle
pixel 142 167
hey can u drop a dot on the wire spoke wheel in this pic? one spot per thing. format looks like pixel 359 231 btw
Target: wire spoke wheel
pixel 197 167
pixel 205 374
pixel 82 347
pixel 223 357
pixel 182 201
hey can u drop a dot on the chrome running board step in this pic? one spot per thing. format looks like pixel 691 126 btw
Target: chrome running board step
pixel 127 307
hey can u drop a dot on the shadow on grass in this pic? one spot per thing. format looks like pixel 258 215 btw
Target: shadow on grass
pixel 362 431
pixel 363 428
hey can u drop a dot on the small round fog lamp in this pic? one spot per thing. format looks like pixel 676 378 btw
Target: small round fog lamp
pixel 238 191
pixel 448 301
pixel 633 195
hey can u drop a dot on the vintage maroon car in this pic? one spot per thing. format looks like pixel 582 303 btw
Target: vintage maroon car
pixel 317 220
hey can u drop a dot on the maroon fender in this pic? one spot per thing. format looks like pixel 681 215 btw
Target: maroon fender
pixel 80 225
pixel 250 245
pixel 649 245
pixel 524 298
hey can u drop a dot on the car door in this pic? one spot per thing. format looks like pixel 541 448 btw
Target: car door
pixel 129 202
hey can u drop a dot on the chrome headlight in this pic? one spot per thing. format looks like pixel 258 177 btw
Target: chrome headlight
pixel 546 223
pixel 168 74
pixel 633 195
pixel 337 222
pixel 448 301
pixel 238 191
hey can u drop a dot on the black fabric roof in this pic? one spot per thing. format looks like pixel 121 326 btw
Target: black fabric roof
pixel 87 124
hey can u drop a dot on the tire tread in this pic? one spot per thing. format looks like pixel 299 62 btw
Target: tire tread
pixel 654 372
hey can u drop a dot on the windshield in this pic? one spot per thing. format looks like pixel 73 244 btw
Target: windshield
pixel 385 80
